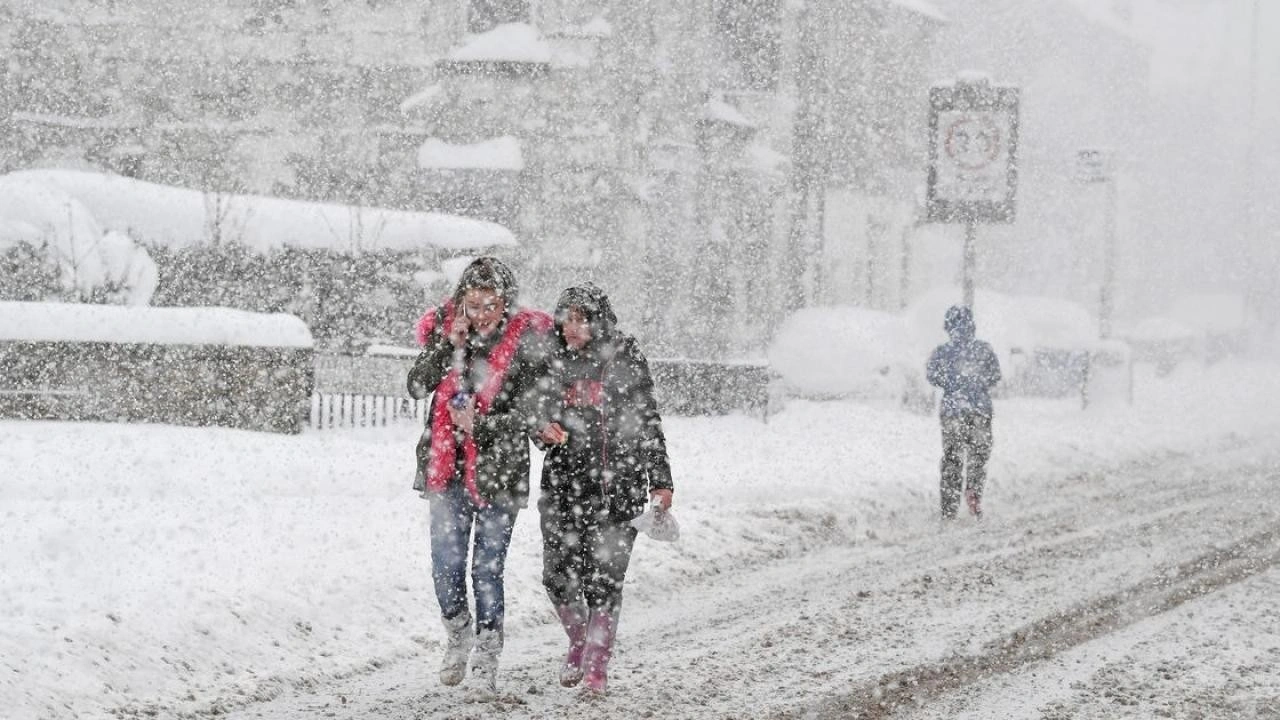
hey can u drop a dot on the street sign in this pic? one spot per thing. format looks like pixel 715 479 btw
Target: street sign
pixel 1093 165
pixel 973 141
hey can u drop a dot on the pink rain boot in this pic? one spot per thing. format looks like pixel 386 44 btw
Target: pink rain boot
pixel 601 630
pixel 974 501
pixel 573 618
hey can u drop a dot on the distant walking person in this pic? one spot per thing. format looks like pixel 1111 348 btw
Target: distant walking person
pixel 481 361
pixel 966 369
pixel 607 460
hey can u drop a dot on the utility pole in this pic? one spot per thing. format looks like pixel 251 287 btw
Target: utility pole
pixel 1096 166
pixel 1250 234
pixel 1107 300
pixel 806 125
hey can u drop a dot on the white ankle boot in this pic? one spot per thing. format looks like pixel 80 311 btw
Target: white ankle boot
pixel 484 663
pixel 458 640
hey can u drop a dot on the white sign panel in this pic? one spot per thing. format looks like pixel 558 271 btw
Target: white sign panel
pixel 973 156
pixel 973 148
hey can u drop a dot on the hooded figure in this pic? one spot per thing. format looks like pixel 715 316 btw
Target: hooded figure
pixel 606 461
pixel 966 369
pixel 481 361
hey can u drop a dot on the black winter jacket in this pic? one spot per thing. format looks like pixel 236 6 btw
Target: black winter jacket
pixel 616 452
pixel 502 435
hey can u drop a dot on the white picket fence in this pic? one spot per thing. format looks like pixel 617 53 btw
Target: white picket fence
pixel 349 410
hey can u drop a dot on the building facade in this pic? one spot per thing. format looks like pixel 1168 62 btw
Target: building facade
pixel 679 152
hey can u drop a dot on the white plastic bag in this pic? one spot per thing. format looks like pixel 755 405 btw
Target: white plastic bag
pixel 658 524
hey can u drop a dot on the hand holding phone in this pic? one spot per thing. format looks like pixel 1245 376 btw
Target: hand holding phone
pixel 459 329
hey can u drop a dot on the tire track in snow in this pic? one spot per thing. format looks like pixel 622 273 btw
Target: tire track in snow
pixel 1047 637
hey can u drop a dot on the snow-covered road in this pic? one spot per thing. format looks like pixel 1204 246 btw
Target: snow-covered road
pixel 1077 602
pixel 157 571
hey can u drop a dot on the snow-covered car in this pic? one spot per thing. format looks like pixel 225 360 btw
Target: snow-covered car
pixel 847 352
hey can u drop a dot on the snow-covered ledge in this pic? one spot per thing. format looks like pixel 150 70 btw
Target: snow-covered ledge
pixel 83 322
pixel 510 48
pixel 500 153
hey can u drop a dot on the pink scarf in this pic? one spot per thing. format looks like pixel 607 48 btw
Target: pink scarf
pixel 444 450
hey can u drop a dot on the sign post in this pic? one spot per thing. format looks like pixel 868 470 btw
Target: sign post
pixel 1095 165
pixel 973 169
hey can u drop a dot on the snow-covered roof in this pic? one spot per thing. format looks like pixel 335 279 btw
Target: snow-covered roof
pixel 178 217
pixel 51 322
pixel 500 153
pixel 420 98
pixel 509 42
pixel 722 111
pixel 919 7
pixel 597 27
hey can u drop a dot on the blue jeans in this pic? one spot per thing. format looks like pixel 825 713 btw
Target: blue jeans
pixel 453 516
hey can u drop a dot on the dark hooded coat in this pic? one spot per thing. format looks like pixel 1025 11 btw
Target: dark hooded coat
pixel 502 435
pixel 603 397
pixel 965 368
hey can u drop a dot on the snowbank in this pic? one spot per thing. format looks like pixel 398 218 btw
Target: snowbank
pixel 38 322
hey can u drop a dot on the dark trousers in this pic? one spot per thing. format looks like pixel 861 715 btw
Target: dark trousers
pixel 584 555
pixel 966 447
pixel 454 517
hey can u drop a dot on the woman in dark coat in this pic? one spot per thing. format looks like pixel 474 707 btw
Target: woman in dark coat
pixel 607 460
pixel 481 362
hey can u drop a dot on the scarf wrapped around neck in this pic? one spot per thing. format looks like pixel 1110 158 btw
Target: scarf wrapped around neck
pixel 442 461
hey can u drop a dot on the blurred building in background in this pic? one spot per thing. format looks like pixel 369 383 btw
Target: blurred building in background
pixel 714 163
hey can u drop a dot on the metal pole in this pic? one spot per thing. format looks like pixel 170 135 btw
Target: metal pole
pixel 970 261
pixel 1106 299
pixel 803 170
pixel 904 281
pixel 1250 162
